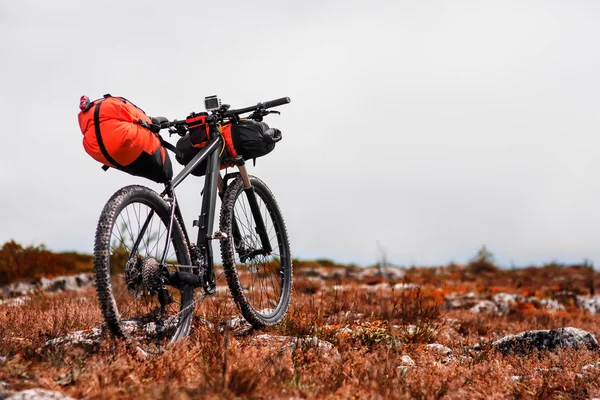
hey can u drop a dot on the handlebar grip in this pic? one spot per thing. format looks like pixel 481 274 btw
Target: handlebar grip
pixel 277 102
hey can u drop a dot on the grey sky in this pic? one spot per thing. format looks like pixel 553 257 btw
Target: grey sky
pixel 431 127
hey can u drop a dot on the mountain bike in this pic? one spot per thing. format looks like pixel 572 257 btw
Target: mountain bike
pixel 150 276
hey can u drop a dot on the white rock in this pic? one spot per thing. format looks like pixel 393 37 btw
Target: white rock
pixel 239 326
pixel 406 361
pixel 88 338
pixel 405 286
pixel 441 352
pixel 552 305
pixel 383 286
pixel 589 304
pixel 17 289
pixel 505 300
pixel 590 367
pixel 484 306
pixel 38 394
pixel 289 342
pixel 15 302
pixel 460 300
pixel 340 288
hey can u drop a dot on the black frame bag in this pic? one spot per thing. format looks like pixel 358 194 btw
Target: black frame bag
pixel 249 138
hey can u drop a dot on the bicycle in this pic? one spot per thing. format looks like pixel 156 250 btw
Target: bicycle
pixel 147 269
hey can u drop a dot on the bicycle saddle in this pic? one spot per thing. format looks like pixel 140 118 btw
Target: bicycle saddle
pixel 158 120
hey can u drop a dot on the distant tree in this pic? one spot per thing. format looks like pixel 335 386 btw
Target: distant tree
pixel 34 262
pixel 382 258
pixel 483 261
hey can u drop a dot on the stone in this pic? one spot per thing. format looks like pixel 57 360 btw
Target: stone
pixel 552 305
pixel 485 306
pixel 406 361
pixel 459 300
pixel 442 353
pixel 405 286
pixel 525 342
pixel 589 304
pixel 89 339
pixel 38 394
pixel 49 285
pixel 383 286
pixel 290 344
pixel 68 283
pixel 387 273
pixel 238 325
pixel 15 302
pixel 17 289
pixel 505 300
pixel 590 367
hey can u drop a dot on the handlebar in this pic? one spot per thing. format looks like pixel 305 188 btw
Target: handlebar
pixel 223 112
pixel 265 105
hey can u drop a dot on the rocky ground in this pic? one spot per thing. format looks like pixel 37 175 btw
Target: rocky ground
pixel 448 332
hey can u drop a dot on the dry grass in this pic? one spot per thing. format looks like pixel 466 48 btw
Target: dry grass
pixel 370 323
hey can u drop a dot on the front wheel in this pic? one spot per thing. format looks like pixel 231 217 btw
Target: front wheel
pixel 260 282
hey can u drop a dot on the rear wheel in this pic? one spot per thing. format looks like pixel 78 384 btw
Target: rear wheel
pixel 261 284
pixel 131 241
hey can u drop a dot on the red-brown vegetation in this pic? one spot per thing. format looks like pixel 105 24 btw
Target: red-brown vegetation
pixel 372 322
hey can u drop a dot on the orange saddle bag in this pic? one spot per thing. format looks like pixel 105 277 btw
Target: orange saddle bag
pixel 117 134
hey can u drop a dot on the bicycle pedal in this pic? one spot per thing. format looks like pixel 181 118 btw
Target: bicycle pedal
pixel 220 235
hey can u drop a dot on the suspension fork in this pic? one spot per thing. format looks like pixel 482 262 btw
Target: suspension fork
pixel 258 218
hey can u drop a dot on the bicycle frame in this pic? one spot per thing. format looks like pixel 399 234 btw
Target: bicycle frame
pixel 206 219
pixel 213 183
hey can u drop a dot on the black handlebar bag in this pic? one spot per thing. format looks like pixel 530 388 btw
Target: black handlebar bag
pixel 252 139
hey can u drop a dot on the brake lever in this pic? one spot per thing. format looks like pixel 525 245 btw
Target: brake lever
pixel 261 112
pixel 179 130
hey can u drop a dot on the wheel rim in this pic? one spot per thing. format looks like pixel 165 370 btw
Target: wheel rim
pixel 261 276
pixel 137 300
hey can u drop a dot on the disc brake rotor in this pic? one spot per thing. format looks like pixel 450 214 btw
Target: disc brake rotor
pixel 247 246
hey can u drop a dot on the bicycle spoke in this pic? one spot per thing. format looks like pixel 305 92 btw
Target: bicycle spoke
pixel 271 277
pixel 128 226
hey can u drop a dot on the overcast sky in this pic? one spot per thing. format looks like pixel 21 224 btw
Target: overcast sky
pixel 431 127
